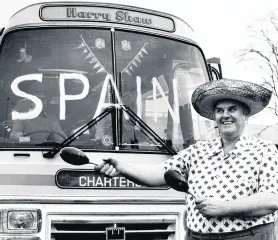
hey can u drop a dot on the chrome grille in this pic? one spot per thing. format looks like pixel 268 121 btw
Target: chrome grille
pixel 147 227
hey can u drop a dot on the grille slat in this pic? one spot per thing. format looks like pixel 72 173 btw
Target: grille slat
pixel 127 231
pixel 150 226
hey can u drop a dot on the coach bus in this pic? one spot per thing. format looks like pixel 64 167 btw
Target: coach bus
pixel 114 81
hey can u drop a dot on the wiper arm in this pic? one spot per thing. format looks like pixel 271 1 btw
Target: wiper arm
pixel 144 126
pixel 79 132
pixel 90 124
pixel 47 144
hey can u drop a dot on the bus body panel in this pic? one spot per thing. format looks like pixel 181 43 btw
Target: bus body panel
pixel 35 176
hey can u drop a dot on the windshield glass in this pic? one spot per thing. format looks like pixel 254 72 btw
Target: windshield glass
pixel 53 81
pixel 158 76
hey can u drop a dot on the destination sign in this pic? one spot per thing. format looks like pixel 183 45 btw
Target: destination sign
pixel 86 179
pixel 106 14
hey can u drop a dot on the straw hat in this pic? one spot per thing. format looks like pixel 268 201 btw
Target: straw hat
pixel 207 95
pixel 23 56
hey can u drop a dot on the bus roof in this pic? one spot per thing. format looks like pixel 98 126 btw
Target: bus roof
pixel 91 14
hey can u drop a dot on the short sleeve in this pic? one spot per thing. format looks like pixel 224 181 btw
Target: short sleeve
pixel 268 175
pixel 179 162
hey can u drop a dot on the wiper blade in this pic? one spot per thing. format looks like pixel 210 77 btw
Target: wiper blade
pixel 144 126
pixel 78 133
pixel 47 144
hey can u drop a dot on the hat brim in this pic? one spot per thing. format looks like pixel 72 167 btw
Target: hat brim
pixel 205 97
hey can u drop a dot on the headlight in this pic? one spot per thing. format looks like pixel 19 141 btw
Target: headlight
pixel 21 221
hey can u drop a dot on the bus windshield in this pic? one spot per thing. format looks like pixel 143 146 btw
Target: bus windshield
pixel 55 80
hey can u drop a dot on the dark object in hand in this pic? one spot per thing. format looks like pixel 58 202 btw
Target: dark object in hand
pixel 74 156
pixel 176 181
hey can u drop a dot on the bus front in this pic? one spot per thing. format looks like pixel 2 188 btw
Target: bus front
pixel 114 81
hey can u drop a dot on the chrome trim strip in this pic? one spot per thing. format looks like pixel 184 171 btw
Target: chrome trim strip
pixel 103 232
pixel 89 200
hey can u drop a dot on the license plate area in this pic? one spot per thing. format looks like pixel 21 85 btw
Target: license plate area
pixel 115 233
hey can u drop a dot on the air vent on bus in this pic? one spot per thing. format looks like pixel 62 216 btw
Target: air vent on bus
pixel 133 227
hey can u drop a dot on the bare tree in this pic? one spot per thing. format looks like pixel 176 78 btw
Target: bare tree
pixel 263 51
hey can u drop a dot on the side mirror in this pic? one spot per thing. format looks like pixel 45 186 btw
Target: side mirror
pixel 215 68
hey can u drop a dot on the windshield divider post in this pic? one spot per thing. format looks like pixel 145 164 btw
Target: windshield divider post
pixel 120 123
pixel 115 113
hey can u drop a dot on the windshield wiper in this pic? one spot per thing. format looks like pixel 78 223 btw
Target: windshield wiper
pixel 79 132
pixel 47 144
pixel 144 126
pixel 108 110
